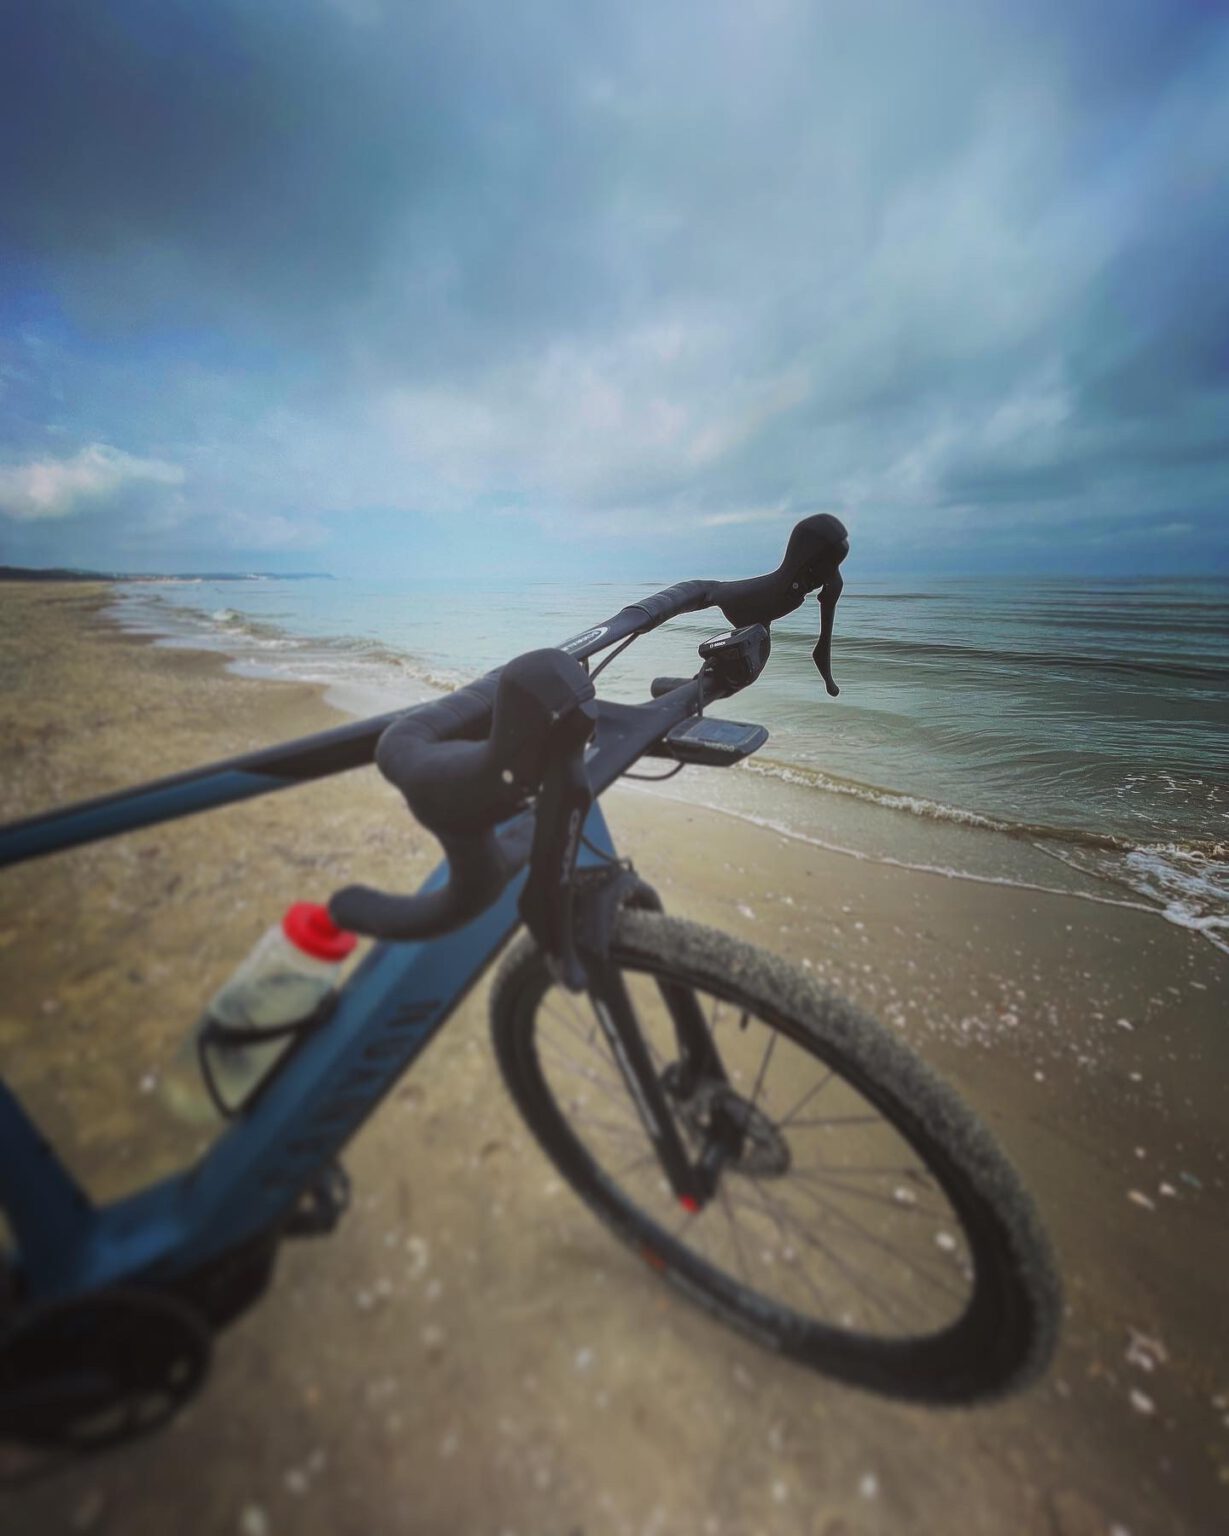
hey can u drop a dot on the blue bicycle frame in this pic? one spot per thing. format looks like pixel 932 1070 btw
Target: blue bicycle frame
pixel 326 1086
pixel 386 1015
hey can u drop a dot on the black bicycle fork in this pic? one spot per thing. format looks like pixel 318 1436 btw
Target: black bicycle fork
pixel 693 1183
pixel 571 914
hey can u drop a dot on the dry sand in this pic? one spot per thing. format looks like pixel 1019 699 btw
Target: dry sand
pixel 471 1352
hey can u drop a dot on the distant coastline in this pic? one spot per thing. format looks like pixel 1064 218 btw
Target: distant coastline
pixel 59 573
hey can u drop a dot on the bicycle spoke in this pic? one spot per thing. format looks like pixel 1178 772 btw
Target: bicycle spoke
pixel 587 1026
pixel 591 1038
pixel 873 1169
pixel 590 1042
pixel 655 1055
pixel 807 1097
pixel 688 1220
pixel 861 1285
pixel 631 1131
pixel 859 1230
pixel 738 1254
pixel 614 1088
pixel 638 1162
pixel 841 1120
pixel 802 1270
pixel 759 1081
pixel 903 1206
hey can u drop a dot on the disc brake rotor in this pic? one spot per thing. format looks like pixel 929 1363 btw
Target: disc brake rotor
pixel 753 1144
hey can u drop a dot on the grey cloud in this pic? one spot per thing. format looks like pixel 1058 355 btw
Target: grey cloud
pixel 57 487
pixel 694 261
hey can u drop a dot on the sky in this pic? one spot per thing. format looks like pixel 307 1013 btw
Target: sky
pixel 579 289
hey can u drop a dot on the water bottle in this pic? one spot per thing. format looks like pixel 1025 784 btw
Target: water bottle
pixel 252 1019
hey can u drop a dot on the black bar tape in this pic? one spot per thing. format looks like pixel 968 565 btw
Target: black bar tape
pixel 683 597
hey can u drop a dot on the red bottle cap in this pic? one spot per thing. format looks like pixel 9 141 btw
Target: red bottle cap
pixel 310 928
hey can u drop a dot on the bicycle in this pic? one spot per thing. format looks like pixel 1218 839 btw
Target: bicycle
pixel 851 1215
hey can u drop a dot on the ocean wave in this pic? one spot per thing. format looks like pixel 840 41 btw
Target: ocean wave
pixel 897 597
pixel 933 810
pixel 263 648
pixel 1185 882
pixel 1183 885
pixel 1011 658
pixel 947 871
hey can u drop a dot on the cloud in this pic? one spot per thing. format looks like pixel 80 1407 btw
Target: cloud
pixel 736 519
pixel 654 266
pixel 55 488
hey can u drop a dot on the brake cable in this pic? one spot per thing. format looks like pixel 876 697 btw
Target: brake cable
pixel 602 665
pixel 648 778
pixel 655 778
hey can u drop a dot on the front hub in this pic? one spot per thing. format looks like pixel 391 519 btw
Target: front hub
pixel 733 1133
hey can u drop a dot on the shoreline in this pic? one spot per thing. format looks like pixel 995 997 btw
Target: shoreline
pixel 848 817
pixel 1080 1035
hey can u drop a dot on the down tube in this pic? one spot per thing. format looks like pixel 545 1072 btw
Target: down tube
pixel 388 1012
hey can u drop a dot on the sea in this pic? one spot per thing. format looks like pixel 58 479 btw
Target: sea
pixel 1066 734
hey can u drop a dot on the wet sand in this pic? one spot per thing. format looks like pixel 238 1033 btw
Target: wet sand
pixel 471 1352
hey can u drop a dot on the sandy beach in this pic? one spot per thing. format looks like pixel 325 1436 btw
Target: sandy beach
pixel 471 1352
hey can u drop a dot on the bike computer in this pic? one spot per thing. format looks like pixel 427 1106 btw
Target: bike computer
pixel 715 743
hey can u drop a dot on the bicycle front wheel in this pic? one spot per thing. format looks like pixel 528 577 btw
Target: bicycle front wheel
pixel 866 1226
